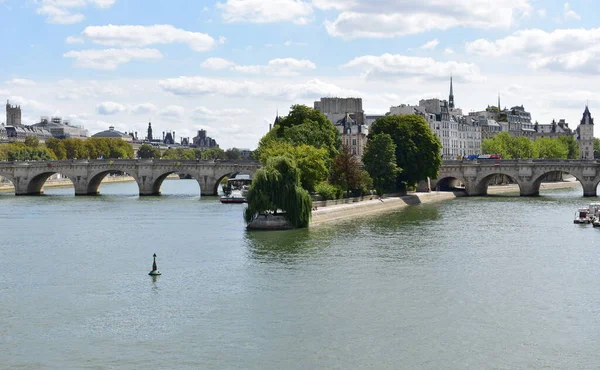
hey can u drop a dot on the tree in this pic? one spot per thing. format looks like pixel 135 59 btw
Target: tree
pixel 311 162
pixel 304 126
pixel 75 148
pixel 417 147
pixel 57 147
pixel 380 162
pixel 275 187
pixel 233 154
pixel 32 142
pixel 147 151
pixel 573 146
pixel 213 153
pixel 509 147
pixel 346 171
pixel 551 148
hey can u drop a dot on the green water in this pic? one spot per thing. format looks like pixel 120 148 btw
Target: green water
pixel 477 283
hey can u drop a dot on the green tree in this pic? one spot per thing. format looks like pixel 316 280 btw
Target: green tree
pixel 233 154
pixel 551 148
pixel 347 172
pixel 75 148
pixel 304 126
pixel 30 154
pixel 311 162
pixel 275 187
pixel 147 151
pixel 417 147
pixel 213 153
pixel 32 142
pixel 380 162
pixel 509 147
pixel 573 146
pixel 57 147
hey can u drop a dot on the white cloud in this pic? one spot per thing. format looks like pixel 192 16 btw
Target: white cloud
pixel 108 107
pixel 207 114
pixel 570 13
pixel 143 108
pixel 20 82
pixel 264 89
pixel 391 18
pixel 172 112
pixel 30 104
pixel 109 59
pixel 430 45
pixel 261 11
pixel 217 63
pixel 542 13
pixel 78 90
pixel 63 11
pixel 136 36
pixel 74 40
pixel 275 67
pixel 390 65
pixel 561 49
pixel 448 51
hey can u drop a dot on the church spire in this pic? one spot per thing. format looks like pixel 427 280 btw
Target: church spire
pixel 451 97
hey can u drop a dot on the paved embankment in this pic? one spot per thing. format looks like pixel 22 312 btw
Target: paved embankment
pixel 329 213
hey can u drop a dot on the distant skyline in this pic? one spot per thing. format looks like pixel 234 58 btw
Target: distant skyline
pixel 227 66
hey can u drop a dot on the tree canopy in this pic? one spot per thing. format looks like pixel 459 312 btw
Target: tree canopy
pixel 147 151
pixel 380 162
pixel 563 147
pixel 348 174
pixel 276 186
pixel 417 147
pixel 311 162
pixel 304 126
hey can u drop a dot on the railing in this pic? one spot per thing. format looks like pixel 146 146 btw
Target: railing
pixel 453 162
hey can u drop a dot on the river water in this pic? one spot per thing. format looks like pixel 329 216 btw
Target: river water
pixel 473 283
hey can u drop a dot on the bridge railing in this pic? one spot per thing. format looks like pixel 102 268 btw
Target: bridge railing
pixel 133 161
pixel 517 161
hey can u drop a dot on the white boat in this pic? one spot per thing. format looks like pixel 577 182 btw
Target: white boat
pixel 582 216
pixel 236 189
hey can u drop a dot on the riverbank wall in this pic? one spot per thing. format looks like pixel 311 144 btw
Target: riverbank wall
pixel 345 209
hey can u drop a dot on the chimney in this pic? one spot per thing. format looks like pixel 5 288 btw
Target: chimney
pixel 270 126
pixel 163 136
pixel 173 136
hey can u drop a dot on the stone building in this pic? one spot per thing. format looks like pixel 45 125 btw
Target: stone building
pixel 348 117
pixel 13 114
pixel 585 135
pixel 111 133
pixel 61 129
pixel 460 135
pixel 203 141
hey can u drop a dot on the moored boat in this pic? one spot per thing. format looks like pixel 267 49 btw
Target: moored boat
pixel 582 216
pixel 235 189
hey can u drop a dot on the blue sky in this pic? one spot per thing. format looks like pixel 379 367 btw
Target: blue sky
pixel 227 66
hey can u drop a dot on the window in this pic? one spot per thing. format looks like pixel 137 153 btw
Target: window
pixel 353 141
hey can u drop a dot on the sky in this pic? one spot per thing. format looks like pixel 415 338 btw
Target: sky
pixel 229 66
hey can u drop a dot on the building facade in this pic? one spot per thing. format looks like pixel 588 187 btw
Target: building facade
pixel 61 129
pixel 585 135
pixel 204 141
pixel 13 114
pixel 348 117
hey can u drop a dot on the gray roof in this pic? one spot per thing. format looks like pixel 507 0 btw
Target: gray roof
pixel 111 132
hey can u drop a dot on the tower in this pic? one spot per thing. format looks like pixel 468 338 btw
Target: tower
pixel 149 131
pixel 499 103
pixel 13 115
pixel 451 97
pixel 586 135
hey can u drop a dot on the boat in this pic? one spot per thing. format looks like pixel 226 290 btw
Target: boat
pixel 236 189
pixel 582 216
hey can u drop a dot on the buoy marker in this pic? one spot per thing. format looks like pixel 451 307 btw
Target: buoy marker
pixel 154 271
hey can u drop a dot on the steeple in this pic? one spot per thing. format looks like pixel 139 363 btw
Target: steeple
pixel 149 131
pixel 587 117
pixel 451 97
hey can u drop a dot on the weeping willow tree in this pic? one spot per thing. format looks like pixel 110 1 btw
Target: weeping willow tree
pixel 277 187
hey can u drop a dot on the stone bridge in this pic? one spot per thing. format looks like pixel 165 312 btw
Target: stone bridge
pixel 28 178
pixel 528 174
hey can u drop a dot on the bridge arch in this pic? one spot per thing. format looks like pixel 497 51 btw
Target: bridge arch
pixel 155 187
pixel 537 181
pixel 8 177
pixel 35 184
pixel 450 183
pixel 483 182
pixel 95 180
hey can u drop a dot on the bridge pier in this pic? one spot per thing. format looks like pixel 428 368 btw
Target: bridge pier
pixel 589 189
pixel 528 189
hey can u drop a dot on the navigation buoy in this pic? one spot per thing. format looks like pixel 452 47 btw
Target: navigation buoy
pixel 154 271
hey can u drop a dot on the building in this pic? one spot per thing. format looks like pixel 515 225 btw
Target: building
pixel 13 114
pixel 460 135
pixel 348 117
pixel 61 129
pixel 111 133
pixel 585 135
pixel 203 141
